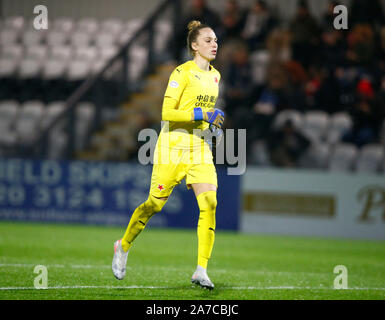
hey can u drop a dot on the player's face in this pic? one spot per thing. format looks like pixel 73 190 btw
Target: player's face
pixel 206 44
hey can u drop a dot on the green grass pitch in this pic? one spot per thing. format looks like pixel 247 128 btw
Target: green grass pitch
pixel 161 262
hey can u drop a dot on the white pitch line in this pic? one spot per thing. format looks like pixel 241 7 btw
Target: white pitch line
pixel 159 287
pixel 86 266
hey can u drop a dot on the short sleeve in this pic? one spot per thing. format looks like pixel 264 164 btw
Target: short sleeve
pixel 176 83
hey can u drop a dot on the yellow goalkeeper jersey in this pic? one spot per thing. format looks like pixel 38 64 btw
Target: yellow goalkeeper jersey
pixel 191 87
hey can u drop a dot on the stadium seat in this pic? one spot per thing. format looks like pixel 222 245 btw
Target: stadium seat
pixel 32 37
pixel 339 123
pixel 343 157
pixel 9 110
pixel 63 25
pixel 37 52
pixel 56 38
pixel 56 145
pixel 8 87
pixel 78 70
pixel 259 61
pixel 317 157
pixel 89 53
pixel 315 125
pixel 80 39
pixel 63 53
pixel 289 114
pixel 27 123
pixel 259 154
pixel 14 22
pixel 52 110
pixel 370 158
pixel 112 26
pixel 12 51
pixel 105 39
pixel 87 25
pixel 85 113
pixel 8 37
pixel 163 31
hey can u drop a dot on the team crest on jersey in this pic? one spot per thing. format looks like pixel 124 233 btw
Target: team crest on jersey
pixel 216 79
pixel 174 84
pixel 160 187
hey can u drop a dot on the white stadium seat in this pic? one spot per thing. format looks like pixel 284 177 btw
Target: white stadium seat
pixel 7 67
pixel 38 52
pixel 14 22
pixel 87 25
pixel 63 53
pixel 343 157
pixel 78 70
pixel 317 156
pixel 112 26
pixel 370 158
pixel 29 68
pixel 27 124
pixel 9 110
pixel 80 39
pixel 89 53
pixel 56 38
pixel 53 68
pixel 32 37
pixel 63 25
pixel 8 37
pixel 315 125
pixel 289 114
pixel 12 51
pixel 105 39
pixel 339 123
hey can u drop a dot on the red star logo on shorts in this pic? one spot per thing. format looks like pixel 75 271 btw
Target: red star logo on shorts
pixel 160 187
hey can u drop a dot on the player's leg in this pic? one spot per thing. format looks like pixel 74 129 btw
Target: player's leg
pixel 206 196
pixel 138 221
pixel 163 180
pixel 140 217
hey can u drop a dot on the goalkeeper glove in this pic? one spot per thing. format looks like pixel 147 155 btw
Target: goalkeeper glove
pixel 214 116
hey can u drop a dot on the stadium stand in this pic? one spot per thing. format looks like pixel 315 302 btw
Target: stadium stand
pixel 318 94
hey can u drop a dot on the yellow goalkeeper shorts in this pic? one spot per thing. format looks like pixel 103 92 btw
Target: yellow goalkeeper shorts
pixel 172 165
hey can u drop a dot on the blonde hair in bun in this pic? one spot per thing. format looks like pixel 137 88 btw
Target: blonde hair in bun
pixel 193 24
pixel 193 31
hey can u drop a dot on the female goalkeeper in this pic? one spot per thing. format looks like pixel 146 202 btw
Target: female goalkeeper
pixel 182 152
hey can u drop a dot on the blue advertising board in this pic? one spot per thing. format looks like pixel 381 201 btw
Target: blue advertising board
pixel 102 193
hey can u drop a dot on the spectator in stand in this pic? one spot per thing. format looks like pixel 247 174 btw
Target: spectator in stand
pixel 278 44
pixel 286 145
pixel 328 17
pixel 306 35
pixel 381 52
pixel 361 46
pixel 366 12
pixel 259 22
pixel 233 20
pixel 200 11
pixel 238 83
pixel 366 116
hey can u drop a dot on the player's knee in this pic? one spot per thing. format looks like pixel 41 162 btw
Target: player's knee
pixel 207 200
pixel 155 204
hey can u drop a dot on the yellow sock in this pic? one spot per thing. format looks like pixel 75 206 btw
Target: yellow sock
pixel 207 202
pixel 139 219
